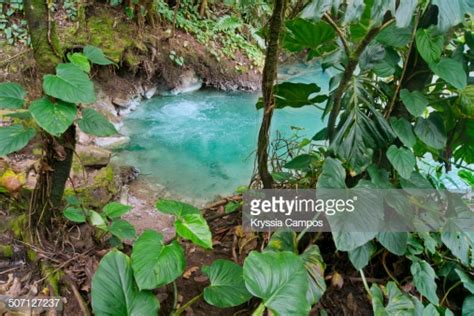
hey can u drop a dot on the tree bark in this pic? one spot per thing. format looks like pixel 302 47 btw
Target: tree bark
pixel 42 35
pixel 58 152
pixel 202 8
pixel 269 76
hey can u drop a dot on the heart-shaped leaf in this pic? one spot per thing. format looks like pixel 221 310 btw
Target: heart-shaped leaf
pixel 451 71
pixel 314 265
pixel 70 84
pixel 14 138
pixel 12 95
pixel 424 280
pixel 96 56
pixel 280 280
pixel 402 159
pixel 94 123
pixel 155 264
pixel 404 131
pixel 194 227
pixel 431 132
pixel 55 118
pixel 227 287
pixel 115 209
pixel 122 229
pixel 175 207
pixel 80 61
pixel 75 214
pixel 414 101
pixel 429 44
pixel 114 291
pixel 360 256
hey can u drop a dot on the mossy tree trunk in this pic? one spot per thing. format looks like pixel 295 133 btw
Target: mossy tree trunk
pixel 57 152
pixel 269 76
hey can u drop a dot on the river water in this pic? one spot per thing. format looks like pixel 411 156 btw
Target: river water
pixel 202 144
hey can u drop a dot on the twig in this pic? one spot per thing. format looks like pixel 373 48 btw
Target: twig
pixel 445 297
pixel 6 61
pixel 364 281
pixel 405 65
pixel 327 18
pixel 78 296
pixel 188 304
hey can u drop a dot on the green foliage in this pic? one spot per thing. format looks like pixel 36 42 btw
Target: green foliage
pixel 96 56
pixel 189 222
pixel 70 84
pixel 80 60
pixel 94 123
pixel 12 24
pixel 424 280
pixel 12 95
pixel 451 71
pixel 14 138
pixel 279 279
pixel 227 286
pixel 402 159
pixel 429 44
pixel 55 118
pixel 114 291
pixel 155 264
pixel 314 265
pixel 414 101
pixel 303 34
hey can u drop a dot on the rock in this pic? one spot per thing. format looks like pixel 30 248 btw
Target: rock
pixel 128 174
pixel 93 156
pixel 121 102
pixel 112 142
pixel 149 93
pixel 188 82
pixel 104 104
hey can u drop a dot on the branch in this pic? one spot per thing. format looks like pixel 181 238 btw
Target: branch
pixel 351 65
pixel 327 18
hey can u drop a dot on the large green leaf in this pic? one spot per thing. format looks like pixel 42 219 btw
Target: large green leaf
pixel 314 265
pixel 358 135
pixel 122 229
pixel 360 256
pixel 394 36
pixel 155 264
pixel 70 84
pixel 404 131
pixel 395 242
pixel 282 240
pixel 458 243
pixel 466 280
pixel 404 13
pixel 115 209
pixel 451 13
pixel 429 44
pixel 175 207
pixel 194 227
pixel 424 280
pixel 12 95
pixel 296 94
pixel 414 101
pixel 94 123
pixel 227 287
pixel 333 175
pixel 189 224
pixel 75 214
pixel 80 61
pixel 114 291
pixel 301 162
pixel 55 118
pixel 402 159
pixel 280 280
pixel 468 306
pixel 14 138
pixel 316 8
pixel 96 56
pixel 303 34
pixel 451 71
pixel 354 11
pixel 399 303
pixel 431 132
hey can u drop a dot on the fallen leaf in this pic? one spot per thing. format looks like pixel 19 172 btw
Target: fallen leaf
pixel 187 273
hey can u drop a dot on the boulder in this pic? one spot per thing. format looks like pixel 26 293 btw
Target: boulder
pixel 112 142
pixel 188 82
pixel 93 156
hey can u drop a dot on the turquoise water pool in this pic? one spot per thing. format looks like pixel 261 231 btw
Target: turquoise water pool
pixel 202 144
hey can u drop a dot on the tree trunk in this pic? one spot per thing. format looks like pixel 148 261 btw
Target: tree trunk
pixel 42 36
pixel 202 8
pixel 269 76
pixel 58 152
